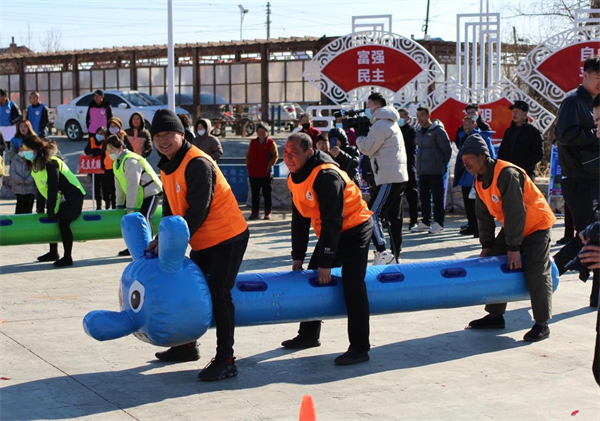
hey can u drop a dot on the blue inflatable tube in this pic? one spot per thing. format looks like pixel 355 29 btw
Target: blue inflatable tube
pixel 165 299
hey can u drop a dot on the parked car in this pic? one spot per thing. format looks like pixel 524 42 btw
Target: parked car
pixel 70 117
pixel 209 108
pixel 288 114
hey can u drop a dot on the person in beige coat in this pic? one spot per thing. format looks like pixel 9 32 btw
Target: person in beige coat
pixel 206 142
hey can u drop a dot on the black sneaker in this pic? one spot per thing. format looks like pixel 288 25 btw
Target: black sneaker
pixel 181 353
pixel 464 227
pixel 488 322
pixel 537 333
pixel 300 342
pixel 125 252
pixel 469 231
pixel 352 357
pixel 64 262
pixel 218 369
pixel 49 257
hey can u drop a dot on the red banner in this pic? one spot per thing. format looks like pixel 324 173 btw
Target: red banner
pixel 564 68
pixel 451 113
pixel 89 165
pixel 370 65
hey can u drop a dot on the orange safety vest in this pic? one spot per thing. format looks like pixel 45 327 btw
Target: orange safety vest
pixel 306 201
pixel 224 220
pixel 538 214
pixel 108 162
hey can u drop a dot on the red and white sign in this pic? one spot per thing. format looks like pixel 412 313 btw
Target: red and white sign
pixel 497 114
pixel 564 68
pixel 90 165
pixel 372 65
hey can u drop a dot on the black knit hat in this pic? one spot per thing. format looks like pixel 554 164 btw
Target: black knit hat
pixel 166 120
pixel 475 145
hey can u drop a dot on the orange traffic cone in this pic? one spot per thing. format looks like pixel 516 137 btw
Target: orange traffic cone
pixel 307 409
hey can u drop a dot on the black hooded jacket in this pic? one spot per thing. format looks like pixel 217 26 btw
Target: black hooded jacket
pixel 142 132
pixel 329 188
pixel 522 146
pixel 349 157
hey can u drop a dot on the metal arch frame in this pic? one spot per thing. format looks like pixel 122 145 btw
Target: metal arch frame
pixel 542 118
pixel 527 69
pixel 361 27
pixel 474 76
pixel 430 68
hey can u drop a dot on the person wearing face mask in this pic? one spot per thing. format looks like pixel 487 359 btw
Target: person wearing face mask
pixel 206 142
pixel 94 148
pixel 61 189
pixel 262 154
pixel 24 129
pixel 99 113
pixel 139 136
pixel 138 188
pixel 22 184
pixel 115 127
pixel 384 145
pixel 307 127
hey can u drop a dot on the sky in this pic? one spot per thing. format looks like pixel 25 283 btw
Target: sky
pixel 112 23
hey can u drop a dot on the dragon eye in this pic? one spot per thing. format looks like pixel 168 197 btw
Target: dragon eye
pixel 136 296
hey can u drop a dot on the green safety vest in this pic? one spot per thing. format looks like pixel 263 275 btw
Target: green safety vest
pixel 41 180
pixel 119 169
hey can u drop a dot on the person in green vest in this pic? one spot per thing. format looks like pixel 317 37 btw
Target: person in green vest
pixel 61 189
pixel 138 188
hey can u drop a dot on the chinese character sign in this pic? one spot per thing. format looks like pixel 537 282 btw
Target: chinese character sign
pixel 564 68
pixel 372 65
pixel 89 165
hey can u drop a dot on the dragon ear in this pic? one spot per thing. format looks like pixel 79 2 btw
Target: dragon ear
pixel 137 234
pixel 173 239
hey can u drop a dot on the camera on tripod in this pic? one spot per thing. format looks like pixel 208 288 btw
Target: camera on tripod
pixel 354 120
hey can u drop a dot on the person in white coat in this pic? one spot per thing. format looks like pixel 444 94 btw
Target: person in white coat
pixel 384 145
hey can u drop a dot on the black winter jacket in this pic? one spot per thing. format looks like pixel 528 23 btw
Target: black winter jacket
pixel 576 136
pixel 522 146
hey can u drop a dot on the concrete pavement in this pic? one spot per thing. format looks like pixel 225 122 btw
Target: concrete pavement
pixel 424 365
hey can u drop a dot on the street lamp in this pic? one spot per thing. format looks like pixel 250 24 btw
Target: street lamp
pixel 242 14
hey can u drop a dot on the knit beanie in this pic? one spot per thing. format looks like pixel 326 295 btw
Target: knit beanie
pixel 166 120
pixel 339 134
pixel 475 145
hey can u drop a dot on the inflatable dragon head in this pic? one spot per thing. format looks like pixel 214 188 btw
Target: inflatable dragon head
pixel 164 299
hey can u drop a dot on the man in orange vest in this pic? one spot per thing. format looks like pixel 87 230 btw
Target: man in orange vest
pixel 506 193
pixel 196 189
pixel 323 195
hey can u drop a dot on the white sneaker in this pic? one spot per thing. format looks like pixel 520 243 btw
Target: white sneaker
pixel 383 258
pixel 420 227
pixel 436 228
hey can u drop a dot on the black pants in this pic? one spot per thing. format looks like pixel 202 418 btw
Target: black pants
pixel 352 256
pixel 412 197
pixel 98 188
pixel 220 264
pixel 67 213
pixel 537 270
pixel 569 225
pixel 432 188
pixel 385 203
pixel 24 203
pixel 109 190
pixel 470 208
pixel 40 203
pixel 596 362
pixel 256 184
pixel 581 196
pixel 148 208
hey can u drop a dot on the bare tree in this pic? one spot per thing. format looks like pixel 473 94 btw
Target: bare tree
pixel 27 39
pixel 554 16
pixel 52 41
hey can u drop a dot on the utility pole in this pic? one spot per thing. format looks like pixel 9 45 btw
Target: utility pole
pixel 426 26
pixel 268 20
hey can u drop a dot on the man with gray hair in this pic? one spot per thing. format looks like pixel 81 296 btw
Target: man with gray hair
pixel 325 197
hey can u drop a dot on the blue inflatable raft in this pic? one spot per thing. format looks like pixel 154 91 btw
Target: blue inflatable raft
pixel 165 299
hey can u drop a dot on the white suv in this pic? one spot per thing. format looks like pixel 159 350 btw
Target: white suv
pixel 70 117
